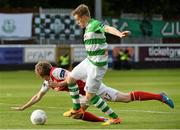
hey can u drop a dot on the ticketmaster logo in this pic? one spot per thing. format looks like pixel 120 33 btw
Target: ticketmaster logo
pixel 164 51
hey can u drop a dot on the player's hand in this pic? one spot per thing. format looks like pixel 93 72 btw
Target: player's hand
pixel 17 108
pixel 125 34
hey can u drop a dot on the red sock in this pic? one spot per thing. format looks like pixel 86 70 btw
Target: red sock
pixel 91 117
pixel 142 96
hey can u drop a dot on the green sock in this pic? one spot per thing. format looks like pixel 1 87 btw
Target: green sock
pixel 74 93
pixel 102 105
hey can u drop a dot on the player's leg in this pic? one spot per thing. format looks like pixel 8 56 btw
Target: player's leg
pixel 101 104
pixel 143 96
pixel 74 93
pixel 111 94
pixel 118 96
pixel 76 73
pixel 87 116
pixel 93 83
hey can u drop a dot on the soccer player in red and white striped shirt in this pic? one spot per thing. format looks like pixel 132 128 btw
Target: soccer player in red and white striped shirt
pixel 55 78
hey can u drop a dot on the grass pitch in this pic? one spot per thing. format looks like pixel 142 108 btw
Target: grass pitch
pixel 17 87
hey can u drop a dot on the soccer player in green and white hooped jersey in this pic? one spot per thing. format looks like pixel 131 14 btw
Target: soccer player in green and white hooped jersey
pixel 94 67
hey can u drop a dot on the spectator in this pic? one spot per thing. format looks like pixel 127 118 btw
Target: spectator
pixel 125 59
pixel 64 61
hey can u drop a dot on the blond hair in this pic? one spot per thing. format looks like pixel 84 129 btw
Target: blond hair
pixel 81 10
pixel 43 68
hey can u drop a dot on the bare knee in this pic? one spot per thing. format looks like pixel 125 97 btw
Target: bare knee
pixel 123 97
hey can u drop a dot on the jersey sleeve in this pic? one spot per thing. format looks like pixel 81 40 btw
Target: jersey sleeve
pixel 95 26
pixel 101 27
pixel 44 87
pixel 59 73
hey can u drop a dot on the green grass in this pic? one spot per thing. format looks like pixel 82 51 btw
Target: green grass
pixel 17 87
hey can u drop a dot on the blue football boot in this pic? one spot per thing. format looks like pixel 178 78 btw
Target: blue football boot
pixel 167 100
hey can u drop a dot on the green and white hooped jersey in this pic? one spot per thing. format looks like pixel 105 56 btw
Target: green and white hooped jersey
pixel 95 43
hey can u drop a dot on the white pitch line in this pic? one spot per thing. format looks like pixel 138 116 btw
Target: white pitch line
pixel 131 110
pixel 90 129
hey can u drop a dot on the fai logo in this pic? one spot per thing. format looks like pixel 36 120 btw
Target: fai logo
pixel 8 26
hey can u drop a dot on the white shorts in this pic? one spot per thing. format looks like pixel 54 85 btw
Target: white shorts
pixel 107 93
pixel 90 73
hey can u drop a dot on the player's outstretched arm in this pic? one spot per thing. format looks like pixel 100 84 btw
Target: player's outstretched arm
pixel 36 98
pixel 114 31
pixel 53 84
